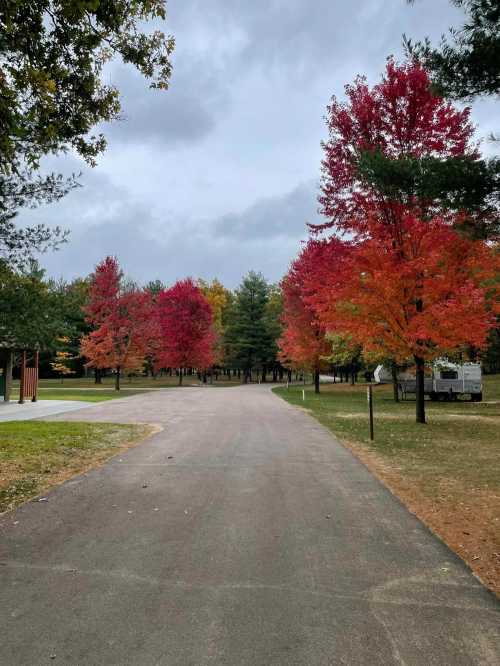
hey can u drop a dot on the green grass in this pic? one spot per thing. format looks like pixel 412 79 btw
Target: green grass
pixel 75 393
pixel 85 389
pixel 36 454
pixel 130 383
pixel 460 442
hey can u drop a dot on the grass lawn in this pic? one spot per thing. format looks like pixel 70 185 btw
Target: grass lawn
pixel 131 383
pixel 35 455
pixel 75 393
pixel 84 388
pixel 447 472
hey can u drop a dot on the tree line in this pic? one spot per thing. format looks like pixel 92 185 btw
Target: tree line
pixel 191 326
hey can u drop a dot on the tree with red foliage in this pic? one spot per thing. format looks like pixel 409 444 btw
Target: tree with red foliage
pixel 123 320
pixel 402 122
pixel 432 295
pixel 186 328
pixel 303 341
pixel 387 146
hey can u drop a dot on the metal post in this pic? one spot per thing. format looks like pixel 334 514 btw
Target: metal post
pixel 370 407
pixel 23 377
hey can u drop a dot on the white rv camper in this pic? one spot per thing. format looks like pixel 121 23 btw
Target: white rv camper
pixel 447 382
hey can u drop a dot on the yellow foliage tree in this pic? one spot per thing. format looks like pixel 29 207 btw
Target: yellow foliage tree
pixel 219 298
pixel 60 364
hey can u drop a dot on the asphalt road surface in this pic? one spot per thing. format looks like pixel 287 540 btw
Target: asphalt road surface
pixel 258 539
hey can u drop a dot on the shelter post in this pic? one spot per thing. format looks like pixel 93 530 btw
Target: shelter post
pixel 23 377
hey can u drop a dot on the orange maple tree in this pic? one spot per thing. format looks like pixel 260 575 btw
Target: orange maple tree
pixel 124 321
pixel 433 294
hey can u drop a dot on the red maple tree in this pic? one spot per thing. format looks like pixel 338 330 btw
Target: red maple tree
pixel 186 328
pixel 303 342
pixel 409 285
pixel 123 319
pixel 401 117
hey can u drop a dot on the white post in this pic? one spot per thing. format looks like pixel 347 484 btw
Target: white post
pixel 303 394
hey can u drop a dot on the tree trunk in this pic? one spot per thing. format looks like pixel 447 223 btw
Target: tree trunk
pixel 316 381
pixel 117 379
pixel 419 390
pixel 180 376
pixel 353 375
pixel 264 374
pixel 97 376
pixel 394 371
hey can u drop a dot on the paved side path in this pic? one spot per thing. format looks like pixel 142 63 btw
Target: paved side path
pixel 13 411
pixel 258 540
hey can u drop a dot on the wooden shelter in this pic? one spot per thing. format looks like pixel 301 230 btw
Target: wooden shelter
pixel 28 387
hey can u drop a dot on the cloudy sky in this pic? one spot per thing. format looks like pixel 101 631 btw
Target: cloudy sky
pixel 219 174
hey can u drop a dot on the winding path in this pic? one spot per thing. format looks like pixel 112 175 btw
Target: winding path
pixel 257 539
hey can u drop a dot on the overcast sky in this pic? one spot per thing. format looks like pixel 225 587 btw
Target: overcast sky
pixel 219 175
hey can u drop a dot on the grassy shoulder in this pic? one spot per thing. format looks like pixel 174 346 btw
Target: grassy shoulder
pixel 447 472
pixel 35 455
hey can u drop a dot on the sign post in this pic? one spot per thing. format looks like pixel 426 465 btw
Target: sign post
pixel 369 396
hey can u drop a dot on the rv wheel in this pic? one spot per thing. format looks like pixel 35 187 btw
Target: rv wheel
pixel 477 397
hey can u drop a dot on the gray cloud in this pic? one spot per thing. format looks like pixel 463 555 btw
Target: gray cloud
pixel 149 247
pixel 186 113
pixel 273 217
pixel 218 174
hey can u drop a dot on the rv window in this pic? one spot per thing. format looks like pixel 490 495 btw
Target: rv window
pixel 449 374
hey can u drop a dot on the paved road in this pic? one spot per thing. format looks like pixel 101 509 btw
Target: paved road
pixel 228 557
